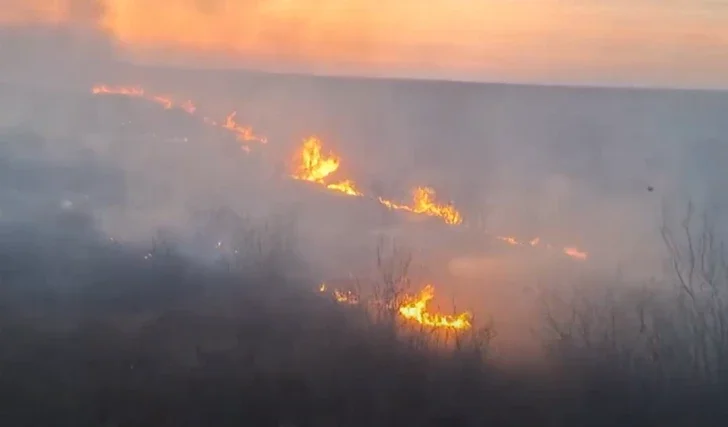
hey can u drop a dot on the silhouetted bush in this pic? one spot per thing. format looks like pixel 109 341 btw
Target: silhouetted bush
pixel 96 333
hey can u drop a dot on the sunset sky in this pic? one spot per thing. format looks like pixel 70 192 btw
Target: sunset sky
pixel 646 42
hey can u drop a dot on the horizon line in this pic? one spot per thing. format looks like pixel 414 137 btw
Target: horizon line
pixel 640 86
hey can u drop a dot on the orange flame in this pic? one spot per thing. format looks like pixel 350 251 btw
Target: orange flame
pixel 575 253
pixel 509 240
pixel 415 309
pixel 569 251
pixel 391 205
pixel 346 297
pixel 313 166
pixel 424 202
pixel 346 186
pixel 163 101
pixel 243 133
pixel 342 297
pixel 188 107
pixel 125 91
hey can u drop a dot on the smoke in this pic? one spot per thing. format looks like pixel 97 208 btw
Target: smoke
pixel 658 44
pixel 571 167
pixel 146 250
pixel 47 43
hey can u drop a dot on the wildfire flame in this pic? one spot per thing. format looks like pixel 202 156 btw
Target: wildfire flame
pixel 346 186
pixel 342 297
pixel 314 166
pixel 165 102
pixel 346 297
pixel 568 251
pixel 242 133
pixel 125 91
pixel 424 202
pixel 188 107
pixel 575 253
pixel 415 309
pixel 509 240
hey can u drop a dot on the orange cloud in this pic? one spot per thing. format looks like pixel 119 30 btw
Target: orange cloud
pixel 528 38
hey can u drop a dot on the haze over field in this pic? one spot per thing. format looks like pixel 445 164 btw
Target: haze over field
pixel 565 168
pixel 643 42
pixel 187 208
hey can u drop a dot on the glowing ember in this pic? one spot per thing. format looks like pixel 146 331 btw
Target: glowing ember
pixel 342 297
pixel 346 297
pixel 188 107
pixel 509 240
pixel 165 102
pixel 576 253
pixel 569 251
pixel 125 91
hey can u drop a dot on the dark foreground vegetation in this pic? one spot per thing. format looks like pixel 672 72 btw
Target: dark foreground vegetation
pixel 94 333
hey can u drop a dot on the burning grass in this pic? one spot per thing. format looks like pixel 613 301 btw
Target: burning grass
pixel 312 164
pixel 134 337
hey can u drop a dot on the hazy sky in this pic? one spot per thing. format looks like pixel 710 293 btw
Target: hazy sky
pixel 653 42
